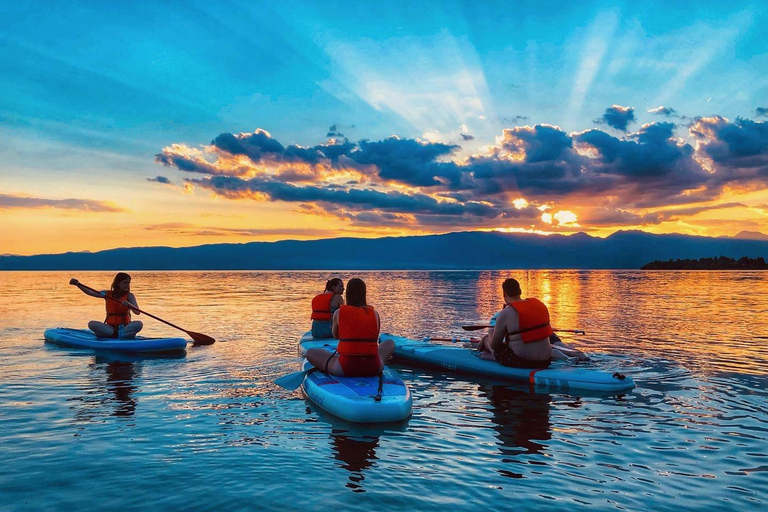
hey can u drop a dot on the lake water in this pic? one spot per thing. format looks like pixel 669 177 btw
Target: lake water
pixel 210 430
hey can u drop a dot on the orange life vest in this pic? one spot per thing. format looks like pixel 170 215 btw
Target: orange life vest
pixel 358 331
pixel 321 306
pixel 117 314
pixel 534 320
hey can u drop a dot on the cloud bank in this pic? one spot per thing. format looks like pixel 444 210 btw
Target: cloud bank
pixel 531 177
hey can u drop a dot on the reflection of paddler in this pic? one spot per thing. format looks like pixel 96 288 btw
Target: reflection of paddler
pixel 356 454
pixel 520 418
pixel 120 381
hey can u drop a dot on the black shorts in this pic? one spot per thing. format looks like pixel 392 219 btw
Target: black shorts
pixel 507 357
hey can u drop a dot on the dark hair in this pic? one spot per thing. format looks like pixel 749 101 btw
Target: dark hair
pixel 119 277
pixel 356 292
pixel 331 283
pixel 511 287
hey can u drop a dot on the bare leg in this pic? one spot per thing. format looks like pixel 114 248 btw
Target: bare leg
pixel 100 329
pixel 320 359
pixel 130 330
pixel 386 348
pixel 568 352
pixel 484 347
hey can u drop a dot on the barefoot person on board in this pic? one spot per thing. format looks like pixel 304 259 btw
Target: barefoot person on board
pixel 118 323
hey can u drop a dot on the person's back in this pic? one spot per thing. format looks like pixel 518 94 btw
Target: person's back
pixel 527 345
pixel 522 330
pixel 357 326
pixel 357 331
pixel 324 305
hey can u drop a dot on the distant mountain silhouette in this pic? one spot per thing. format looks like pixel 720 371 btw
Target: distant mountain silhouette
pixel 750 235
pixel 465 250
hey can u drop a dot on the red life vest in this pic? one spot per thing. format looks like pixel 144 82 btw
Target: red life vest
pixel 117 314
pixel 533 318
pixel 321 306
pixel 358 331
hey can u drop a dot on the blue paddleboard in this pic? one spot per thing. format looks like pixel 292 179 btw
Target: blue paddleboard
pixel 354 398
pixel 468 362
pixel 84 338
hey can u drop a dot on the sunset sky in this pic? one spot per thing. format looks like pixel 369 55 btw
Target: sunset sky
pixel 188 123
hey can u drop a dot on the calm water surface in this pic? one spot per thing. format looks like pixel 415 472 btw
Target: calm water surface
pixel 210 430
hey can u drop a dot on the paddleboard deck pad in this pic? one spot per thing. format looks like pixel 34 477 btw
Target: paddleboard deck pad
pixel 354 398
pixel 468 362
pixel 85 338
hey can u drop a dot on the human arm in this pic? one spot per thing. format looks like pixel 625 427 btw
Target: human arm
pixel 335 325
pixel 502 327
pixel 86 290
pixel 131 302
pixel 336 302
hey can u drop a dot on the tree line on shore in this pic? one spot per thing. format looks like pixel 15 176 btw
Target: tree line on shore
pixel 721 263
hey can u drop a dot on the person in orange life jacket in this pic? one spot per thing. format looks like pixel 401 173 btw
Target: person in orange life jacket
pixel 520 337
pixel 559 349
pixel 356 325
pixel 324 306
pixel 118 323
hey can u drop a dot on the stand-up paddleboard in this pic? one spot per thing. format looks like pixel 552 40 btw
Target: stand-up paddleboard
pixel 468 362
pixel 84 338
pixel 355 398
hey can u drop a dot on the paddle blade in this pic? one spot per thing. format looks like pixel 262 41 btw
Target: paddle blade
pixel 201 339
pixel 475 327
pixel 292 380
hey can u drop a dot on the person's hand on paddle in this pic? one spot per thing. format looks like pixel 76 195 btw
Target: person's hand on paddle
pixel 133 307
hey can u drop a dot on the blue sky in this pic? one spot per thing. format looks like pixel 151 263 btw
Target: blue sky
pixel 91 92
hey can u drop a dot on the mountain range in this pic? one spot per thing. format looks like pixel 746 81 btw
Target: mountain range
pixel 462 250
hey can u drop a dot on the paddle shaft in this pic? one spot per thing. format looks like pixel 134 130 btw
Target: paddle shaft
pixel 478 327
pixel 194 335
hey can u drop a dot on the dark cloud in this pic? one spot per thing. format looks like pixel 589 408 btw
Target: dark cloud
pixel 254 145
pixel 467 136
pixel 170 158
pixel 537 144
pixel 649 171
pixel 161 179
pixel 334 132
pixel 761 112
pixel 234 187
pixel 663 111
pixel 410 162
pixel 739 149
pixel 85 205
pixel 617 117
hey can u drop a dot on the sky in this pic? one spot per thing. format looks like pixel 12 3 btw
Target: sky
pixel 188 123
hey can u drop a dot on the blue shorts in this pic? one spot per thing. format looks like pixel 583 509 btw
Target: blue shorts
pixel 321 329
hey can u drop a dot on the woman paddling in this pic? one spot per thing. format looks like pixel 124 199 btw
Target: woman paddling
pixel 324 306
pixel 118 323
pixel 357 326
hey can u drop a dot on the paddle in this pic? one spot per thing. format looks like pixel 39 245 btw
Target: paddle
pixel 478 327
pixel 453 340
pixel 201 339
pixel 293 380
